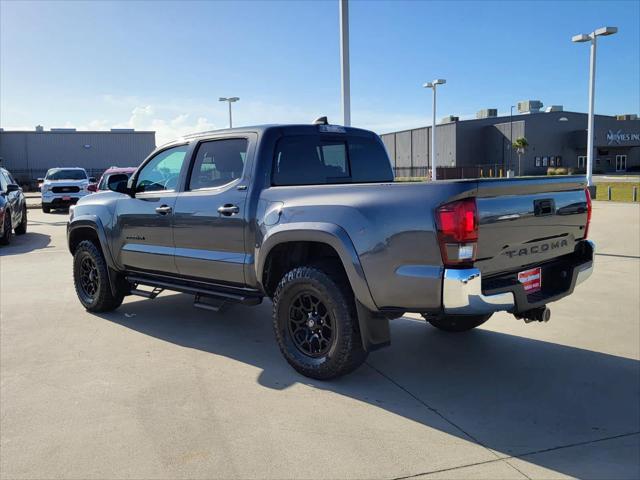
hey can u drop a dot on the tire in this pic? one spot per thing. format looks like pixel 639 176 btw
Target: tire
pixel 21 229
pixel 457 323
pixel 331 346
pixel 46 209
pixel 7 232
pixel 91 280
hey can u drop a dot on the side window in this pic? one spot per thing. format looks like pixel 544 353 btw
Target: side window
pixel 3 182
pixel 218 162
pixel 163 171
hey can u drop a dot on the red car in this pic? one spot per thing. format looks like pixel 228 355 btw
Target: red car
pixel 111 178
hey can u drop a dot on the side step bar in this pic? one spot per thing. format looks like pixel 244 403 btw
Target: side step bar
pixel 198 291
pixel 144 293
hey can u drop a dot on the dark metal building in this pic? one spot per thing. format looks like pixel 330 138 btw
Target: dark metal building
pixel 29 154
pixel 482 147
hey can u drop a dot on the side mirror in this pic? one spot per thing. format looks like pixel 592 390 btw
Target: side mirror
pixel 12 187
pixel 121 187
pixel 92 179
pixel 118 183
pixel 92 187
pixel 40 180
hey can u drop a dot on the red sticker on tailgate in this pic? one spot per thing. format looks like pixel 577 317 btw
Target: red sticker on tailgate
pixel 531 279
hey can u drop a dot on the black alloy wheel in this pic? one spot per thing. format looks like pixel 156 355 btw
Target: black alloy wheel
pixel 89 278
pixel 310 325
pixel 315 323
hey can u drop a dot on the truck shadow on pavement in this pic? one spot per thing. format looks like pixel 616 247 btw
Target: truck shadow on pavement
pixel 26 243
pixel 516 396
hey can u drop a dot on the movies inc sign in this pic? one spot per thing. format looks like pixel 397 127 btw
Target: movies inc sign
pixel 620 136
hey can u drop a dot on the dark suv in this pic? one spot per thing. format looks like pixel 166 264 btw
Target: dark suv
pixel 13 208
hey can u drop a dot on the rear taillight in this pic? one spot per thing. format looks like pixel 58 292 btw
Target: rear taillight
pixel 586 227
pixel 457 224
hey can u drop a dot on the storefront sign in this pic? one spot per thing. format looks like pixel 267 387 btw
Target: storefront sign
pixel 620 136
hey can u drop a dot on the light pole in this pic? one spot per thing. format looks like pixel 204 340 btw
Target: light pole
pixel 433 85
pixel 344 63
pixel 510 140
pixel 591 37
pixel 229 100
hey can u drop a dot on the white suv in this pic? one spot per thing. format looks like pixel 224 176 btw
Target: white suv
pixel 63 187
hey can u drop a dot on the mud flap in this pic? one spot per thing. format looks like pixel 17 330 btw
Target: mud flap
pixel 374 328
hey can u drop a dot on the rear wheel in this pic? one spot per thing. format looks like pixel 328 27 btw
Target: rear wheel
pixel 21 229
pixel 5 239
pixel 315 324
pixel 457 323
pixel 91 280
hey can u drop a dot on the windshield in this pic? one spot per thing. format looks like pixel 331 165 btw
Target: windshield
pixel 63 174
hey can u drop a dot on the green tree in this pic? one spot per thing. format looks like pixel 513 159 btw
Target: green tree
pixel 520 146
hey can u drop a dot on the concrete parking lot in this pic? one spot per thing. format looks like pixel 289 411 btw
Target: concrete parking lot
pixel 158 389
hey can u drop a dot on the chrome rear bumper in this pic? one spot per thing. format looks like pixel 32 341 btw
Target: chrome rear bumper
pixel 462 294
pixel 462 290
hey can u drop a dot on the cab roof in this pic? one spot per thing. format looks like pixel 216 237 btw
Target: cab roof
pixel 291 129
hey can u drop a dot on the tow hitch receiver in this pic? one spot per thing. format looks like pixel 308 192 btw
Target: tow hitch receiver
pixel 540 314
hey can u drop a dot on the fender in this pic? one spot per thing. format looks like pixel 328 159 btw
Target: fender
pixel 94 222
pixel 336 237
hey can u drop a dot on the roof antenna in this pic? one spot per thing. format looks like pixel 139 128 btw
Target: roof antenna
pixel 321 121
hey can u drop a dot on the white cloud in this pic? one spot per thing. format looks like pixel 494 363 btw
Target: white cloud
pixel 180 116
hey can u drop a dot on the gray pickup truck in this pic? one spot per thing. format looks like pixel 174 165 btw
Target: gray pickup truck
pixel 310 216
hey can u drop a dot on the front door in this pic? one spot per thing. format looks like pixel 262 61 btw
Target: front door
pixel 621 163
pixel 143 234
pixel 211 214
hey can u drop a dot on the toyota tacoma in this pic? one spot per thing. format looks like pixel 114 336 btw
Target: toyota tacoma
pixel 310 217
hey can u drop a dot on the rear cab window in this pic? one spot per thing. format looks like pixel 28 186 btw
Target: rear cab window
pixel 328 159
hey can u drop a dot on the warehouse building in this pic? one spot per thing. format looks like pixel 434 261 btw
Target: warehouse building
pixel 29 154
pixel 482 146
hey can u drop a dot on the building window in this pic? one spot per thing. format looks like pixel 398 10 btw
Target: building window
pixel 545 161
pixel 558 161
pixel 552 161
pixel 582 161
pixel 538 162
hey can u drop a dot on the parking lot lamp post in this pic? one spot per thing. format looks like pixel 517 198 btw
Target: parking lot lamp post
pixel 229 100
pixel 591 37
pixel 433 85
pixel 510 139
pixel 345 67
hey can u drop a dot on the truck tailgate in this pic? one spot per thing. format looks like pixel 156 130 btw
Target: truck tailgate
pixel 524 222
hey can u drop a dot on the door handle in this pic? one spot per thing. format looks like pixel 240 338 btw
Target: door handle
pixel 228 209
pixel 163 209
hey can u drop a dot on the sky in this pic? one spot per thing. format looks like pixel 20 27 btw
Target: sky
pixel 162 65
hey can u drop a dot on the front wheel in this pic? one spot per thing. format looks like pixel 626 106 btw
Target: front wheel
pixel 46 209
pixel 315 324
pixel 457 323
pixel 91 279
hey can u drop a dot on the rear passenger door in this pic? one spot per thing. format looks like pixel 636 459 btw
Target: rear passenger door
pixel 210 215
